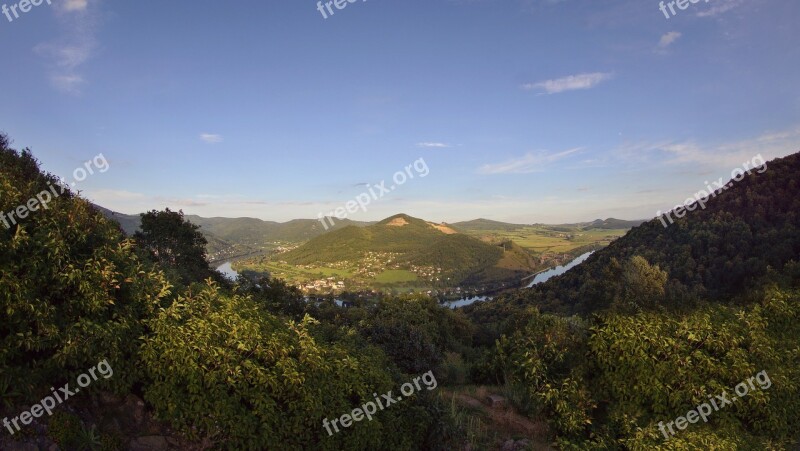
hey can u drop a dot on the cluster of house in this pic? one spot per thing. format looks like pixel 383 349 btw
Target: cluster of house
pixel 327 284
pixel 427 272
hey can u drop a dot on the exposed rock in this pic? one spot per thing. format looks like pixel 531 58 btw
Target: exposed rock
pixel 150 443
pixel 21 446
pixel 496 401
pixel 136 407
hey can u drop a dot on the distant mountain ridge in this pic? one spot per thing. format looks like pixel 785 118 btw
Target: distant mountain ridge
pixel 232 237
pixel 479 225
pixel 237 236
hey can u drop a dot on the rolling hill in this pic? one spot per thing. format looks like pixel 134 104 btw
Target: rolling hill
pixel 408 242
pixel 228 237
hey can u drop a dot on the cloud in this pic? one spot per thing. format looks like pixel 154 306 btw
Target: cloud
pixel 211 138
pixel 77 45
pixel 770 144
pixel 182 202
pixel 569 83
pixel 76 5
pixel 70 84
pixel 528 163
pixel 434 145
pixel 668 39
pixel 720 7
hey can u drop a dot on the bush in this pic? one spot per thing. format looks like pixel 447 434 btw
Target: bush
pixel 72 290
pixel 226 368
pixel 64 429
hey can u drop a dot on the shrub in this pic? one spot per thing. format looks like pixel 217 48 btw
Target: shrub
pixel 226 368
pixel 72 290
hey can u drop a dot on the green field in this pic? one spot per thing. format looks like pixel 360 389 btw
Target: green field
pixel 542 239
pixel 294 273
pixel 395 276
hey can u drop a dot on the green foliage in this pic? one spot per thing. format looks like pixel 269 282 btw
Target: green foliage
pixel 112 441
pixel 657 367
pixel 89 439
pixel 415 332
pixel 224 367
pixel 454 370
pixel 176 244
pixel 64 429
pixel 641 286
pixel 613 387
pixel 546 357
pixel 72 290
pixel 276 296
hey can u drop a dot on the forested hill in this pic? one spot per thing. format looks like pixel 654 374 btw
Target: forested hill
pixel 745 232
pixel 411 241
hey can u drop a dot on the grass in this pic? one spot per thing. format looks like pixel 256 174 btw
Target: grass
pixel 544 240
pixel 395 276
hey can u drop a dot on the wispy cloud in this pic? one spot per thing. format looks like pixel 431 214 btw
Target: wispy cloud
pixel 76 5
pixel 668 39
pixel 434 145
pixel 526 164
pixel 770 144
pixel 569 83
pixel 77 45
pixel 720 7
pixel 211 138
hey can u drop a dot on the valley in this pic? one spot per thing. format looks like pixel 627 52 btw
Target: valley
pixel 359 261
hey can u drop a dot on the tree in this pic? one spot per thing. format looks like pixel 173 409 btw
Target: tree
pixel 641 286
pixel 175 244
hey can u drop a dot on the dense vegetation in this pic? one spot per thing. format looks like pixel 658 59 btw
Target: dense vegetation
pixel 238 367
pixel 643 332
pixel 746 235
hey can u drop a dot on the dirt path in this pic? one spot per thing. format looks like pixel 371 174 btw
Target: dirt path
pixel 507 423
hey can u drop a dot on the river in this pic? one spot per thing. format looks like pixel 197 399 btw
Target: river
pixel 542 277
pixel 558 270
pixel 227 270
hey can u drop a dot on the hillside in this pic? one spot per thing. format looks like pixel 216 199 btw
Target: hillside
pixel 746 234
pixel 258 233
pixel 407 243
pixel 485 225
pixel 612 223
pixel 228 237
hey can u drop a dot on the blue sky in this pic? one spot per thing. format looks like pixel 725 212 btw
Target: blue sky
pixel 524 110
